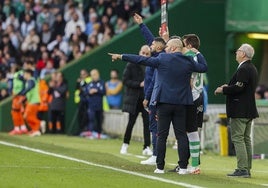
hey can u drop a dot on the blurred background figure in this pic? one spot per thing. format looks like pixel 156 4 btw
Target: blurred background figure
pixel 59 90
pixel 114 88
pixel 133 80
pixel 96 91
pixel 81 99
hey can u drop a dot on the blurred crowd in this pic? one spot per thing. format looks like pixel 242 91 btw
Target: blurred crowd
pixel 261 92
pixel 51 33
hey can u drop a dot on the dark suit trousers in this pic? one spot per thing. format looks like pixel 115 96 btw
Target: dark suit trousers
pixel 131 122
pixel 168 113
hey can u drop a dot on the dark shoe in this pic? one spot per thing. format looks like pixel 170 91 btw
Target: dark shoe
pixel 239 173
pixel 176 169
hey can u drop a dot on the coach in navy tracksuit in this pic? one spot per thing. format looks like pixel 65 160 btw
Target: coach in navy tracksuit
pixel 96 91
pixel 157 46
pixel 171 93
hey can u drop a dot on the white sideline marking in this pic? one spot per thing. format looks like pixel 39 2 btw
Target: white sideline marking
pixel 265 185
pixel 42 167
pixel 101 166
pixel 138 156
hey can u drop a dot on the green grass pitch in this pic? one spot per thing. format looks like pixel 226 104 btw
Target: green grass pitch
pixel 23 168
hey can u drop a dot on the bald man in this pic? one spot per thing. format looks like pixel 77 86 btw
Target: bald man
pixel 171 93
pixel 96 91
pixel 133 80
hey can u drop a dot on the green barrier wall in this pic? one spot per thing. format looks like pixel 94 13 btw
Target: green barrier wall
pixel 246 16
pixel 205 18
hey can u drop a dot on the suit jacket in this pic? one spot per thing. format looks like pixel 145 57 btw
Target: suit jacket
pixel 240 100
pixel 173 74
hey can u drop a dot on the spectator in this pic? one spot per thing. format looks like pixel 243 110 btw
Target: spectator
pixel 7 46
pixel 8 8
pixel 46 34
pixel 100 7
pixel 96 91
pixel 60 44
pixel 93 41
pixel 31 42
pixel 27 10
pixel 42 62
pixel 3 81
pixel 81 99
pixel 93 25
pixel 9 76
pixel 57 7
pixel 70 10
pixel 12 20
pixel 121 26
pixel 45 17
pixel 113 90
pixel 59 90
pixel 58 26
pixel 2 14
pixel 81 35
pixel 3 94
pixel 76 52
pixel 19 7
pixel 146 10
pixel 259 93
pixel 47 70
pixel 71 25
pixel 13 36
pixel 58 57
pixel 106 31
pixel 111 15
pixel 37 6
pixel 27 25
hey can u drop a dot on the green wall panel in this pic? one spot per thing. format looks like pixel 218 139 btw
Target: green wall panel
pixel 247 15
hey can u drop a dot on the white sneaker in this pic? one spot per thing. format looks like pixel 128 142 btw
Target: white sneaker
pixel 194 170
pixel 158 171
pixel 183 171
pixel 124 148
pixel 147 151
pixel 35 133
pixel 150 161
pixel 43 126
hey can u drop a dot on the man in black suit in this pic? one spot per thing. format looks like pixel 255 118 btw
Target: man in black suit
pixel 241 108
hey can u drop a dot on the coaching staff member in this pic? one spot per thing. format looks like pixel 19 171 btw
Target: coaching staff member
pixel 241 108
pixel 172 91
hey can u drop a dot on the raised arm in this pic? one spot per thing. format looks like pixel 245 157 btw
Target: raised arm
pixel 145 31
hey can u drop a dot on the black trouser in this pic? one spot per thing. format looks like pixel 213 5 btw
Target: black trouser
pixel 58 116
pixel 131 121
pixel 168 113
pixel 82 116
pixel 95 120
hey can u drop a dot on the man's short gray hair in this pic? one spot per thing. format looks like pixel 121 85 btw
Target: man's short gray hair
pixel 248 49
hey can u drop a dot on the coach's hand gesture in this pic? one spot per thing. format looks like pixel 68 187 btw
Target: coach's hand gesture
pixel 137 18
pixel 115 56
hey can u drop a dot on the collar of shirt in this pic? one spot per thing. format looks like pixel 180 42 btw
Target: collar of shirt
pixel 241 64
